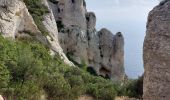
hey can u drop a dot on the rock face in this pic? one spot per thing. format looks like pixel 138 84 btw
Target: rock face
pixel 71 31
pixel 72 12
pixel 157 54
pixel 51 26
pixel 16 22
pixel 14 18
pixel 102 51
pixel 1 98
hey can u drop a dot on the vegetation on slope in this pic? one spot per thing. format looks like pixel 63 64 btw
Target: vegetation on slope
pixel 27 71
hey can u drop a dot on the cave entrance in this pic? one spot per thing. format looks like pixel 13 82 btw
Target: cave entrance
pixel 105 72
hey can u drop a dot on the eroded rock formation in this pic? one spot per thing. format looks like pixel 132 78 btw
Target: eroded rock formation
pixel 100 50
pixel 157 54
pixel 70 25
pixel 17 22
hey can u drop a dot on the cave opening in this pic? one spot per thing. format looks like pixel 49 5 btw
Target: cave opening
pixel 105 72
pixel 73 1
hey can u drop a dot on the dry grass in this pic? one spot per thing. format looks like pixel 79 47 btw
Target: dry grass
pixel 86 97
pixel 125 98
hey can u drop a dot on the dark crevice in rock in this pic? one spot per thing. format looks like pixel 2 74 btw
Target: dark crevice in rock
pixel 73 1
pixel 163 2
pixel 104 72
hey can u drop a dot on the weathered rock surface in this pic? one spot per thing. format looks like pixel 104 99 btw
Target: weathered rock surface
pixel 70 25
pixel 16 22
pixel 72 12
pixel 51 26
pixel 111 49
pixel 1 98
pixel 15 18
pixel 102 51
pixel 157 54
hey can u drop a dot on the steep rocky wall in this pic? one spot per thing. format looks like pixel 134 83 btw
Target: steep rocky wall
pixel 68 24
pixel 102 51
pixel 157 54
pixel 51 26
pixel 14 17
pixel 17 22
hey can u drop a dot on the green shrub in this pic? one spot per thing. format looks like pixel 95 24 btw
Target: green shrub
pixel 28 90
pixel 4 77
pixel 27 71
pixel 133 88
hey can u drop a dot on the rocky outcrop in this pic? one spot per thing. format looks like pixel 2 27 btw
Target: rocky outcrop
pixel 16 22
pixel 72 12
pixel 69 30
pixel 1 98
pixel 51 26
pixel 79 39
pixel 111 49
pixel 157 54
pixel 15 18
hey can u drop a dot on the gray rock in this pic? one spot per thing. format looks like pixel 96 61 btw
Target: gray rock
pixel 72 13
pixel 112 54
pixel 16 22
pixel 14 17
pixel 157 54
pixel 79 39
pixel 51 26
pixel 75 31
pixel 91 20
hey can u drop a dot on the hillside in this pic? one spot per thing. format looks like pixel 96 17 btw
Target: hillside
pixel 51 50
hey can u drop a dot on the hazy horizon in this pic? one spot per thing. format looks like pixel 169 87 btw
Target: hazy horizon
pixel 128 17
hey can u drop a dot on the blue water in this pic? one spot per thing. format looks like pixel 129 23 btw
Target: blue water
pixel 128 17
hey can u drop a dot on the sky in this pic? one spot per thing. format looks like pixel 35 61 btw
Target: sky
pixel 128 17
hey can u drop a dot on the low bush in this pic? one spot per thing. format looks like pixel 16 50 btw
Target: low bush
pixel 28 72
pixel 132 88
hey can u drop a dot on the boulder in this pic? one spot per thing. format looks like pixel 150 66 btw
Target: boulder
pixel 157 54
pixel 1 98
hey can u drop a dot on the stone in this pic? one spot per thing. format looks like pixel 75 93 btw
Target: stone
pixel 72 12
pixel 14 17
pixel 71 34
pixel 1 98
pixel 102 51
pixel 51 26
pixel 112 54
pixel 91 20
pixel 16 22
pixel 157 54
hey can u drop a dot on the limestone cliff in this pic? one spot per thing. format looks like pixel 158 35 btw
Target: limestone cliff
pixel 157 54
pixel 17 22
pixel 100 50
pixel 71 31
